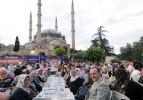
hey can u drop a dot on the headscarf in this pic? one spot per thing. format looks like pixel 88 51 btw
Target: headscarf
pixel 20 83
pixel 33 74
pixel 73 78
pixel 39 71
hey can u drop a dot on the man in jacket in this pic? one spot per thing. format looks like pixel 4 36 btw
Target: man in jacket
pixel 99 90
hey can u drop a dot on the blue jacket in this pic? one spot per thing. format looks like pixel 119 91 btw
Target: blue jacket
pixel 81 92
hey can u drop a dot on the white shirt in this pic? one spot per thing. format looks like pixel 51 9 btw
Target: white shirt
pixel 135 75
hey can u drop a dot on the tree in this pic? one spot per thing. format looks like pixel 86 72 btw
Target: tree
pixel 126 52
pixel 101 41
pixel 80 56
pixel 17 45
pixel 138 50
pixel 134 52
pixel 98 41
pixel 59 51
pixel 95 54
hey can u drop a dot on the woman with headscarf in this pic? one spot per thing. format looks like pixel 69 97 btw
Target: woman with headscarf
pixel 22 91
pixel 75 81
pixel 121 81
pixel 33 89
pixel 67 75
pixel 40 75
pixel 38 80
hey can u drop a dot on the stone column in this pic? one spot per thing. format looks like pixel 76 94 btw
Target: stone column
pixel 30 28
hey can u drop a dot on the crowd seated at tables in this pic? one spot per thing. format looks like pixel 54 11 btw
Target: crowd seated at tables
pixel 86 80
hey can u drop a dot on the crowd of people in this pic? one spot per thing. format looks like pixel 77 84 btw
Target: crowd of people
pixel 87 81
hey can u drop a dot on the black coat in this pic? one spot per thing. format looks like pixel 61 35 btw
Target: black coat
pixel 134 91
pixel 74 86
pixel 20 94
pixel 141 80
pixel 5 83
pixel 37 82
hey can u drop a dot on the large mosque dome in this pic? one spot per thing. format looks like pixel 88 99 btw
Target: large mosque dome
pixel 50 33
pixel 49 40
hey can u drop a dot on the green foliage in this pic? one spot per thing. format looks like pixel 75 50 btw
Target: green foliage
pixel 132 52
pixel 95 54
pixel 59 51
pixel 72 51
pixel 17 45
pixel 126 52
pixel 101 41
pixel 80 56
pixel 115 61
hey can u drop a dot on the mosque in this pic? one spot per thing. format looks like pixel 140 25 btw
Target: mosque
pixel 46 41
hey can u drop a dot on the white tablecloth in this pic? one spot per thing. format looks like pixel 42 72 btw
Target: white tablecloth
pixel 55 89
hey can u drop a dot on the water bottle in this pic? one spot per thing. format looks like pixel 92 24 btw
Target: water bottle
pixel 61 92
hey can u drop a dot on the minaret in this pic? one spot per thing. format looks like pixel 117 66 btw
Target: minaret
pixel 30 27
pixel 39 25
pixel 73 25
pixel 56 25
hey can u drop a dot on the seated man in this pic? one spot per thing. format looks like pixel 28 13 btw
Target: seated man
pixel 99 89
pixel 5 84
pixel 5 81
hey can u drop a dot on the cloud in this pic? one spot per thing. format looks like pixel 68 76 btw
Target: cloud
pixel 122 19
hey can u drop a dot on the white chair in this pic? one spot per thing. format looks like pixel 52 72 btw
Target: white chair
pixel 117 96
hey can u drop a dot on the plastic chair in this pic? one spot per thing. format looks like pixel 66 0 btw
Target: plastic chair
pixel 117 96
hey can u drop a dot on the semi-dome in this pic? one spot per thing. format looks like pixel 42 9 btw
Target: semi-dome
pixel 57 42
pixel 49 31
pixel 30 45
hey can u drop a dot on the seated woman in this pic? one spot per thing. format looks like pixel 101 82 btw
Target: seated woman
pixel 80 94
pixel 122 78
pixel 33 89
pixel 67 75
pixel 22 91
pixel 75 81
pixel 38 80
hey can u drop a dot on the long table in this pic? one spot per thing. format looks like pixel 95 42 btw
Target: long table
pixel 54 89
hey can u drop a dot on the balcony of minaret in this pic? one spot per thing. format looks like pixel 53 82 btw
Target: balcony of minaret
pixel 39 14
pixel 40 25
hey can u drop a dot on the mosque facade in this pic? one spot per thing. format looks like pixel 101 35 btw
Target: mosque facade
pixel 48 40
pixel 45 41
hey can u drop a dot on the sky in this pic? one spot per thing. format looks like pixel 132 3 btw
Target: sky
pixel 123 20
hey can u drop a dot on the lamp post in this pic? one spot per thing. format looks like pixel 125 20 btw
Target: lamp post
pixel 39 58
